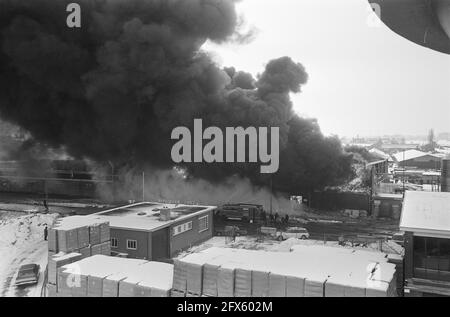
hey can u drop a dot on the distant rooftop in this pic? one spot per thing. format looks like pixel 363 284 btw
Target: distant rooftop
pixel 426 213
pixel 410 155
pixel 398 146
pixel 145 216
pixel 379 153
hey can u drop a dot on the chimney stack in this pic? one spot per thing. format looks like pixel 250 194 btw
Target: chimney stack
pixel 164 214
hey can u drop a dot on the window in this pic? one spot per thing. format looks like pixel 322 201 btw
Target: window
pixel 132 244
pixel 432 258
pixel 114 243
pixel 182 228
pixel 203 224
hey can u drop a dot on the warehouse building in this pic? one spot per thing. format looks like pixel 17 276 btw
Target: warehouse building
pixel 156 231
pixel 418 159
pixel 426 223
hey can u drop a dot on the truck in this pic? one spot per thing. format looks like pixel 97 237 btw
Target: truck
pixel 245 213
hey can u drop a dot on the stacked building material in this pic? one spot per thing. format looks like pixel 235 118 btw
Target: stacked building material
pixel 210 278
pixel 159 282
pixel 103 276
pixel 54 263
pixel 51 290
pixel 295 286
pixel 307 271
pixel 111 285
pixel 68 240
pixel 85 252
pixel 83 234
pixel 398 261
pixel 105 248
pixel 83 237
pixel 260 283
pixel 179 277
pixel 127 287
pixel 277 285
pixel 175 293
pixel 52 240
pixel 243 281
pixel 194 277
pixel 96 249
pixel 105 233
pixel 94 233
pixel 225 280
pixel 189 277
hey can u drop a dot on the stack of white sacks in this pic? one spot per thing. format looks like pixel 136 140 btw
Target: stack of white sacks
pixel 72 239
pixel 307 271
pixel 104 276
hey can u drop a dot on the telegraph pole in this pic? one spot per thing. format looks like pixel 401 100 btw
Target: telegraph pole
pixel 404 171
pixel 271 192
pixel 143 186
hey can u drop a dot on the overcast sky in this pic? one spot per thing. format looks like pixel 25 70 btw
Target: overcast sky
pixel 364 79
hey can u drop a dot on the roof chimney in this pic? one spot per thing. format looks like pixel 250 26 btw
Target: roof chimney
pixel 164 214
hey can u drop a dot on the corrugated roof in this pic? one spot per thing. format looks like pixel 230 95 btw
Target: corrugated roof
pixel 426 213
pixel 410 154
pixel 380 153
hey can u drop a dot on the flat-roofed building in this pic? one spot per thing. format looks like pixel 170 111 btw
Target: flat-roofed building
pixel 157 231
pixel 426 222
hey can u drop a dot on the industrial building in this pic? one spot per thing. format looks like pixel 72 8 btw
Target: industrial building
pixel 418 159
pixel 426 223
pixel 157 231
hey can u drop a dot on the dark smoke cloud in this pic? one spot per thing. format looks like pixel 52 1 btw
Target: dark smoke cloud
pixel 114 89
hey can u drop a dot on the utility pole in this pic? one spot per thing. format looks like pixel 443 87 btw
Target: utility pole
pixel 112 170
pixel 143 186
pixel 404 171
pixel 372 185
pixel 113 187
pixel 271 192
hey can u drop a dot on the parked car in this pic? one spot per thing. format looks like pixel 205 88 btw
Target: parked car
pixel 246 213
pixel 268 231
pixel 28 275
pixel 293 232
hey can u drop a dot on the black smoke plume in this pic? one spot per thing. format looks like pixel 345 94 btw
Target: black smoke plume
pixel 114 89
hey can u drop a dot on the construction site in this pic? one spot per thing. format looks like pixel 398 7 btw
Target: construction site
pixel 85 268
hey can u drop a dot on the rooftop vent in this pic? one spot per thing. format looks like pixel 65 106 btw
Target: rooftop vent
pixel 164 214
